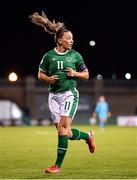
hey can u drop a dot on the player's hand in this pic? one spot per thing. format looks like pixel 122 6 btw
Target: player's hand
pixel 53 79
pixel 109 114
pixel 70 72
pixel 94 114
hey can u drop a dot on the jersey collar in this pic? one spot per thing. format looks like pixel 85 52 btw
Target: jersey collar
pixel 55 49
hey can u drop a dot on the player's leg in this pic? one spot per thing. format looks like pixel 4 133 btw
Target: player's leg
pixel 54 110
pixel 88 137
pixel 62 147
pixel 71 106
pixel 63 127
pixel 58 105
pixel 102 122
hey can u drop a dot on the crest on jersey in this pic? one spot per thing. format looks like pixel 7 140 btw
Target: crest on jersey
pixel 68 59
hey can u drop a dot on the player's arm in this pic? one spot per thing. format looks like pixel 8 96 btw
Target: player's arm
pixel 108 111
pixel 82 74
pixel 49 79
pixel 94 114
pixel 109 114
pixel 43 71
pixel 81 69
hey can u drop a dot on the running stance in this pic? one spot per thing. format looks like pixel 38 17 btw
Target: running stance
pixel 61 67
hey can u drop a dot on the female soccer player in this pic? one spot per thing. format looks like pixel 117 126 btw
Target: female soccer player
pixel 102 111
pixel 61 67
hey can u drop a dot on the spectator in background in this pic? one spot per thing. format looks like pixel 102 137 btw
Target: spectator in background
pixel 101 111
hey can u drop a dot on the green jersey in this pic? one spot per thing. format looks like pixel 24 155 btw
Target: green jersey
pixel 54 63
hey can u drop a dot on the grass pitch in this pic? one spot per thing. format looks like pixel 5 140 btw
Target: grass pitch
pixel 26 151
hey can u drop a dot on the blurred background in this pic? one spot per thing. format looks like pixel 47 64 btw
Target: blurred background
pixel 105 35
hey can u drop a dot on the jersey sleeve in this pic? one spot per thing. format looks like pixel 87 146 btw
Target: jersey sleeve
pixel 81 66
pixel 44 64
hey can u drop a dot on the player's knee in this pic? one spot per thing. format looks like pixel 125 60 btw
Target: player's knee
pixel 62 131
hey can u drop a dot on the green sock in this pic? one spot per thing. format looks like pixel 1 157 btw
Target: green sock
pixel 77 135
pixel 62 149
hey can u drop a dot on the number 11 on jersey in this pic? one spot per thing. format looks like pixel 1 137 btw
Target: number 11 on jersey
pixel 60 64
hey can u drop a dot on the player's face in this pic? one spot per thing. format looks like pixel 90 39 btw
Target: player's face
pixel 66 41
pixel 102 98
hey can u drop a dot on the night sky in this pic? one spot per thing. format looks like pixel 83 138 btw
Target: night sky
pixel 112 24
